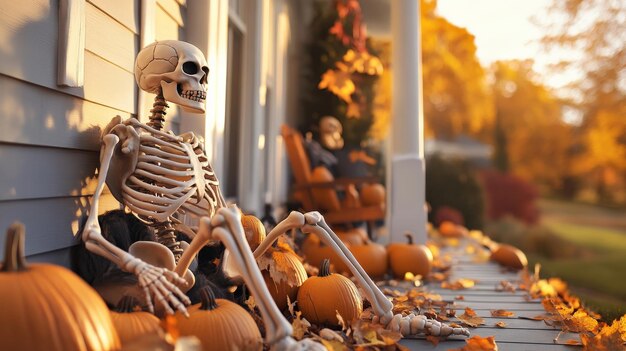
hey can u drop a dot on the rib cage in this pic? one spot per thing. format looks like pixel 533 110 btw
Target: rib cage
pixel 171 177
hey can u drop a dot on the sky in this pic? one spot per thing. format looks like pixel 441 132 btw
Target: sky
pixel 503 30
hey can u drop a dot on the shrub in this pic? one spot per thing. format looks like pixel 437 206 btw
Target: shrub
pixel 451 183
pixel 507 194
pixel 449 214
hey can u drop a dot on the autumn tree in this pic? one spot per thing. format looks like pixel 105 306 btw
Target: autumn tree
pixel 591 33
pixel 456 93
pixel 532 141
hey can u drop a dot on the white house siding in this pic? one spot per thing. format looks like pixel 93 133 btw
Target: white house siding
pixel 49 135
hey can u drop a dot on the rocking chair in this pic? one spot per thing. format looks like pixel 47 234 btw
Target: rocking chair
pixel 317 190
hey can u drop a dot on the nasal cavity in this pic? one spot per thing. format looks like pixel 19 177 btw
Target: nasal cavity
pixel 204 78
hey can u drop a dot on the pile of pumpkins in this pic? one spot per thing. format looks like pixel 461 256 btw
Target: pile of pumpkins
pixel 375 259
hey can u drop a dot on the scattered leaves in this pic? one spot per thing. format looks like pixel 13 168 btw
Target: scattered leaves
pixel 608 339
pixel 470 318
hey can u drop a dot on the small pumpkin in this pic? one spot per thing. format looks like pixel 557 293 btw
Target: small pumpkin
pixel 451 230
pixel 409 257
pixel 321 298
pixel 48 307
pixel 282 271
pixel 354 236
pixel 131 323
pixel 254 230
pixel 373 195
pixel 314 252
pixel 372 257
pixel 509 256
pixel 326 198
pixel 220 324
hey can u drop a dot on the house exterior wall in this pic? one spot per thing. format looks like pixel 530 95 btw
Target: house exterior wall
pixel 50 135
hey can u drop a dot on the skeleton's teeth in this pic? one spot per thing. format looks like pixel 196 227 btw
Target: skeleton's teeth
pixel 195 95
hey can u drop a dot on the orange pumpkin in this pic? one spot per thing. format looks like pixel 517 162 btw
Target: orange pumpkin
pixel 354 236
pixel 372 257
pixel 509 256
pixel 131 323
pixel 48 307
pixel 451 230
pixel 321 298
pixel 283 273
pixel 254 230
pixel 409 257
pixel 220 325
pixel 373 195
pixel 326 198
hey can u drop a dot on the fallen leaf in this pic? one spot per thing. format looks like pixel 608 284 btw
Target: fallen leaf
pixel 300 326
pixel 458 284
pixel 433 339
pixel 478 343
pixel 252 304
pixel 470 318
pixel 501 324
pixel 608 339
pixel 540 317
pixel 459 297
pixel 502 313
pixel 572 342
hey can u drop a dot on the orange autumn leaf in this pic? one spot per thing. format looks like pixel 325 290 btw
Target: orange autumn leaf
pixel 501 324
pixel 433 339
pixel 470 318
pixel 458 284
pixel 478 343
pixel 363 62
pixel 608 339
pixel 580 321
pixel 338 82
pixel 170 326
pixel 572 342
pixel 354 110
pixel 502 313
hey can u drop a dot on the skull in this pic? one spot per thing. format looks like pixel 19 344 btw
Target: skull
pixel 175 68
pixel 330 133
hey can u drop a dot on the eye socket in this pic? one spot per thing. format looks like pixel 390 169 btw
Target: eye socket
pixel 190 67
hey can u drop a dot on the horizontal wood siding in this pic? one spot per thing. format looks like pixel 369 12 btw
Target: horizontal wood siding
pixel 50 135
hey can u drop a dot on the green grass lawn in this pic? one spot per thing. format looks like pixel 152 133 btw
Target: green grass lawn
pixel 599 276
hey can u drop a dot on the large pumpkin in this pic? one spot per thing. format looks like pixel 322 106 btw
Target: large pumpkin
pixel 131 323
pixel 409 257
pixel 321 298
pixel 47 307
pixel 221 325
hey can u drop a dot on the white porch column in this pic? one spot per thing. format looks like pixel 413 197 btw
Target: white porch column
pixel 407 195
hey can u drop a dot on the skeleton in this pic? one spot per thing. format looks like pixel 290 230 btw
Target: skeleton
pixel 159 175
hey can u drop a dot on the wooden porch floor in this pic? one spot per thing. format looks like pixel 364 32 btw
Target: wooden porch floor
pixel 519 334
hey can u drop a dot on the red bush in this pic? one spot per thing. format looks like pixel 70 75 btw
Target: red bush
pixel 447 213
pixel 507 194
